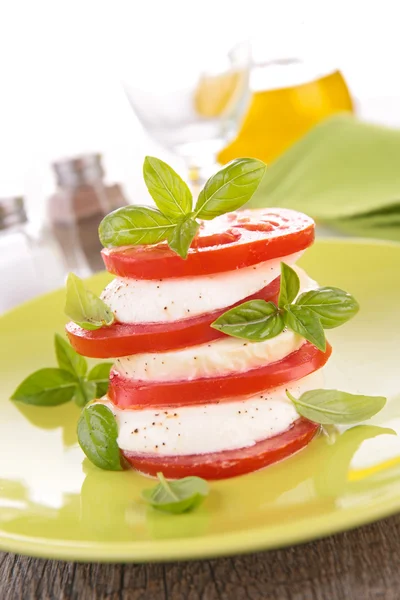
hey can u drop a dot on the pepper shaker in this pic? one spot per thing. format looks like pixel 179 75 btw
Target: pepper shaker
pixel 82 200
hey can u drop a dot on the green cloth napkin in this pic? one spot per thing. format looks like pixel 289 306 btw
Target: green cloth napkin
pixel 344 173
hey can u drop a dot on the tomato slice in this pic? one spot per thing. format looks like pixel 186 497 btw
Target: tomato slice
pixel 229 242
pixel 131 393
pixel 220 465
pixel 123 339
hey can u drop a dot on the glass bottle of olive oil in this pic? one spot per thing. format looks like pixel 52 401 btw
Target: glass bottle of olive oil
pixel 289 97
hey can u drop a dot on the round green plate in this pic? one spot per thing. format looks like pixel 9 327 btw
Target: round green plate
pixel 54 504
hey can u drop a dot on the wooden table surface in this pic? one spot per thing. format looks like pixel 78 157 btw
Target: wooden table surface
pixel 358 565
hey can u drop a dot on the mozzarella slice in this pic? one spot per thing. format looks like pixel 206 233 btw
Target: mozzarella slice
pixel 221 357
pixel 157 301
pixel 211 427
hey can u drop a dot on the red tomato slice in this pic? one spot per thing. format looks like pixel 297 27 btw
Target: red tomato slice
pixel 229 242
pixel 220 465
pixel 123 339
pixel 131 393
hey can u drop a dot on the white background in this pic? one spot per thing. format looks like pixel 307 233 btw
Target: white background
pixel 61 63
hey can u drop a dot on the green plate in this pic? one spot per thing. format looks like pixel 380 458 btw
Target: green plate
pixel 56 505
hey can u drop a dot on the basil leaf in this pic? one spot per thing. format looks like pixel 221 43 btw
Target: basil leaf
pixel 289 286
pixel 332 407
pixel 306 323
pixel 46 387
pixel 68 359
pixel 169 192
pixel 134 225
pixel 333 306
pixel 85 392
pixel 255 320
pixel 100 375
pixel 97 436
pixel 85 308
pixel 230 188
pixel 183 235
pixel 177 496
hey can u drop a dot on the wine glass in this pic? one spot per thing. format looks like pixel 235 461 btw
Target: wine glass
pixel 191 100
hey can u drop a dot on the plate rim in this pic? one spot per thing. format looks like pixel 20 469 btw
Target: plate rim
pixel 212 546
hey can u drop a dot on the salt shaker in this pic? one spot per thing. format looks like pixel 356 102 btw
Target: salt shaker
pixel 83 198
pixel 30 262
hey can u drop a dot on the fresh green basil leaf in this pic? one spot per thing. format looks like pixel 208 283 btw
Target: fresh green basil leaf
pixel 68 359
pixel 332 407
pixel 289 286
pixel 100 375
pixel 255 320
pixel 306 323
pixel 97 436
pixel 333 306
pixel 85 308
pixel 184 232
pixel 46 387
pixel 177 496
pixel 230 188
pixel 85 392
pixel 169 192
pixel 134 225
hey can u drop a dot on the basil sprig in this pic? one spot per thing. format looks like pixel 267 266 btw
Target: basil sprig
pixel 170 193
pixel 85 308
pixel 183 234
pixel 174 219
pixel 332 407
pixel 97 436
pixel 307 315
pixel 134 225
pixel 70 381
pixel 230 188
pixel 177 496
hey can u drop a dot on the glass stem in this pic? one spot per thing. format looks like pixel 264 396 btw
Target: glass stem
pixel 198 174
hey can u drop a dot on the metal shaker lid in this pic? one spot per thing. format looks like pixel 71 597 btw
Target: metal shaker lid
pixel 78 170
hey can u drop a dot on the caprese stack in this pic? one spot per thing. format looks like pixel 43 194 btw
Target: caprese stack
pixel 188 399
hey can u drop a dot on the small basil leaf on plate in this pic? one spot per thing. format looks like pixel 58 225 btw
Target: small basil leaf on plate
pixel 306 323
pixel 177 496
pixel 230 188
pixel 100 376
pixel 134 225
pixel 289 285
pixel 85 392
pixel 333 305
pixel 169 192
pixel 255 320
pixel 182 236
pixel 46 387
pixel 97 436
pixel 332 407
pixel 68 359
pixel 85 308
